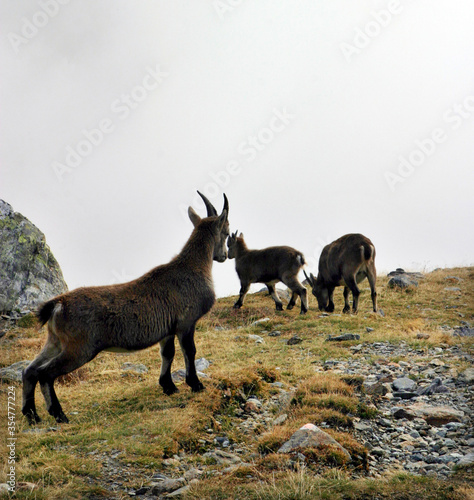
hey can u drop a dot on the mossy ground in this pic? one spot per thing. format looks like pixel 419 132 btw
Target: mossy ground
pixel 126 415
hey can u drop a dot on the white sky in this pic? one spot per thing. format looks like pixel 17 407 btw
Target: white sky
pixel 352 105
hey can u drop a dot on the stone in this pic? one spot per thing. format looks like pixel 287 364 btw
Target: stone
pixel 29 273
pixel 343 337
pixel 405 394
pixel 402 281
pixel 181 492
pixel 167 486
pixel 452 289
pixel 201 364
pixel 253 405
pixel 433 415
pixel 274 333
pixel 294 340
pixel 466 460
pixel 422 336
pixel 223 457
pixel 467 376
pixel 135 368
pixel 260 321
pixel 404 384
pixel 13 372
pixel 368 329
pixel 377 389
pixel 256 338
pixel 311 436
pixel 280 419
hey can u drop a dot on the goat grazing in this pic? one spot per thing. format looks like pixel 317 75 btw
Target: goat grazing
pixel 268 266
pixel 163 304
pixel 345 262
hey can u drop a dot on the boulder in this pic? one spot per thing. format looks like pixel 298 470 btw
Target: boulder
pixel 13 372
pixel 311 436
pixel 434 415
pixel 29 273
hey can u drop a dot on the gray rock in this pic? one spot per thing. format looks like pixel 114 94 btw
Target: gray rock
pixel 311 436
pixel 368 329
pixel 260 321
pixel 13 372
pixel 404 384
pixel 29 273
pixel 201 364
pixel 467 376
pixel 402 281
pixel 167 486
pixel 274 333
pixel 467 460
pixel 135 368
pixel 256 338
pixel 294 340
pixel 223 457
pixel 452 289
pixel 344 336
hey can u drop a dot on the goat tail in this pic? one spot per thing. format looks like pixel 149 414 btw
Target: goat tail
pixel 300 259
pixel 45 312
pixel 369 251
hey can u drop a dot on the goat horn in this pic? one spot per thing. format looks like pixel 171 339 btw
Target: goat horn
pixel 310 281
pixel 210 207
pixel 226 205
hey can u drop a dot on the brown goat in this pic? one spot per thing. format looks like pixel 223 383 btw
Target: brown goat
pixel 268 266
pixel 345 262
pixel 163 304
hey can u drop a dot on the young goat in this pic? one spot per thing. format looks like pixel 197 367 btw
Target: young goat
pixel 163 304
pixel 345 262
pixel 268 266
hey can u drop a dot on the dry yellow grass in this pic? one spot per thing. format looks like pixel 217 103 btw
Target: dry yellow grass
pixel 116 412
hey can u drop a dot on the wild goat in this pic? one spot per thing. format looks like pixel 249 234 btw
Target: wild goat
pixel 268 266
pixel 346 261
pixel 163 304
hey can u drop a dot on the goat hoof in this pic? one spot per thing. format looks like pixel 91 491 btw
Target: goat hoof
pixel 198 388
pixel 32 417
pixel 290 306
pixel 237 306
pixel 169 390
pixel 346 310
pixel 303 312
pixel 61 419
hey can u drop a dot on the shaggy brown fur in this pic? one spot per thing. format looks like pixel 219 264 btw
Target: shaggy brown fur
pixel 163 304
pixel 268 266
pixel 345 262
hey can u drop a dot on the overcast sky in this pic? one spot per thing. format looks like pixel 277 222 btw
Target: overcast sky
pixel 317 118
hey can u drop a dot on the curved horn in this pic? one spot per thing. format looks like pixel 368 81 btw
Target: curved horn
pixel 310 281
pixel 226 205
pixel 210 207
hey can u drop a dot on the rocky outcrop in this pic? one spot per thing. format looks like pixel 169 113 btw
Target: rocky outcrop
pixel 29 273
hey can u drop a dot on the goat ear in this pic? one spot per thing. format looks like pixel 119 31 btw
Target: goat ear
pixel 195 219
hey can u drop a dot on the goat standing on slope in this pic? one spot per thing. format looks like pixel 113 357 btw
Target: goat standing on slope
pixel 345 262
pixel 268 266
pixel 163 304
